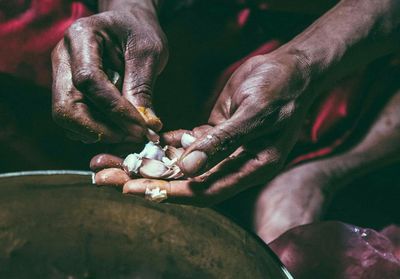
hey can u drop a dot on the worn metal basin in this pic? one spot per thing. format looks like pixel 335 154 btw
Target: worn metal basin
pixel 55 224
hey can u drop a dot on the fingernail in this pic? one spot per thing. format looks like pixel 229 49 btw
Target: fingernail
pixel 152 136
pixel 150 117
pixel 187 140
pixel 194 162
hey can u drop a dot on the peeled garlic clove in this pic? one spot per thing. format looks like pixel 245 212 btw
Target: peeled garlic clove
pixel 187 140
pixel 173 153
pixel 152 151
pixel 152 168
pixel 132 163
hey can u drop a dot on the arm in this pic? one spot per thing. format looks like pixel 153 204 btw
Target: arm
pixel 256 119
pixel 152 6
pixel 351 35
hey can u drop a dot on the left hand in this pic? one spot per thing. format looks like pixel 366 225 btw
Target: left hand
pixel 251 129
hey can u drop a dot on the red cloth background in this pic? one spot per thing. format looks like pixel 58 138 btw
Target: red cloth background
pixel 29 30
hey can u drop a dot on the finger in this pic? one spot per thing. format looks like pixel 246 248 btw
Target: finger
pixel 111 177
pixel 104 161
pixel 184 138
pixel 78 137
pixel 232 176
pixel 69 111
pixel 174 137
pixel 88 76
pixel 216 144
pixel 144 60
pixel 179 191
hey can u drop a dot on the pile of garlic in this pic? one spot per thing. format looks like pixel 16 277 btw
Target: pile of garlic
pixel 154 162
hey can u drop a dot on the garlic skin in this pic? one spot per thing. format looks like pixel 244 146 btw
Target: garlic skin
pixel 154 162
pixel 155 195
pixel 152 151
pixel 132 163
pixel 187 140
pixel 174 153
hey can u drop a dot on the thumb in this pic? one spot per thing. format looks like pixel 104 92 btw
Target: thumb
pixel 214 146
pixel 140 75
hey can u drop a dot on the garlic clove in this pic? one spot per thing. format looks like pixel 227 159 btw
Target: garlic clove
pixel 152 168
pixel 132 163
pixel 155 195
pixel 187 140
pixel 152 151
pixel 173 153
pixel 173 173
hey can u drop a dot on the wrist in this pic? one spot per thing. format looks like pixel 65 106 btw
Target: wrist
pixel 345 39
pixel 149 6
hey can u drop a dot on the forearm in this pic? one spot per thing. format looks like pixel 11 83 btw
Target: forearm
pixel 152 6
pixel 352 34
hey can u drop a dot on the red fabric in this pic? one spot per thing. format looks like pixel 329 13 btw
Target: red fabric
pixel 29 30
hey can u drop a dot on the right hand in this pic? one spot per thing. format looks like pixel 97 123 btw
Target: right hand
pixel 85 102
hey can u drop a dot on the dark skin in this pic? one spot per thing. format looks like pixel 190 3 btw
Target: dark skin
pixel 256 119
pixel 85 101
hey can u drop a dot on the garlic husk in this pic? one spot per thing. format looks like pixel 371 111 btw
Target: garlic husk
pixel 173 152
pixel 173 173
pixel 187 140
pixel 152 151
pixel 155 195
pixel 132 163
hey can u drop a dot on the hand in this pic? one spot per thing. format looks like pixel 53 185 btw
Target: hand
pixel 86 103
pixel 252 128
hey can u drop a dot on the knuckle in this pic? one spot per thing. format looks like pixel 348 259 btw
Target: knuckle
pixel 77 27
pixel 143 91
pixel 154 48
pixel 115 106
pixel 222 140
pixel 84 78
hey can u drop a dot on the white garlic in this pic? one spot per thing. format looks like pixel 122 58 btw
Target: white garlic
pixel 155 195
pixel 152 168
pixel 154 162
pixel 132 163
pixel 152 151
pixel 168 162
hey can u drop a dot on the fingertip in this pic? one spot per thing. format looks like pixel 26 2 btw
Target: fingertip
pixel 104 161
pixel 193 163
pixel 111 177
pixel 151 119
pixel 139 186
